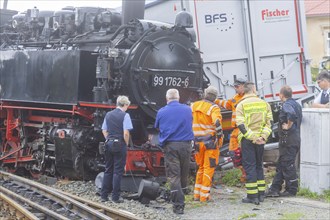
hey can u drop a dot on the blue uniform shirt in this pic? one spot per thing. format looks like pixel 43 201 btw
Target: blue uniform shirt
pixel 174 122
pixel 127 123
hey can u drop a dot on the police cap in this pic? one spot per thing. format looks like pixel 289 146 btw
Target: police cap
pixel 239 81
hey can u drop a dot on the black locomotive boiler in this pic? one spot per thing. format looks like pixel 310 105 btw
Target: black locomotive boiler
pixel 60 72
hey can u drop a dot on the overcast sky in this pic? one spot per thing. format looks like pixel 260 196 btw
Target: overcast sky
pixel 22 5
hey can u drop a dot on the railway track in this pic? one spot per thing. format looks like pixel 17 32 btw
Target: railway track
pixel 26 199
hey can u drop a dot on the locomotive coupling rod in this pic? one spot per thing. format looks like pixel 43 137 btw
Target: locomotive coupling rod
pixel 11 153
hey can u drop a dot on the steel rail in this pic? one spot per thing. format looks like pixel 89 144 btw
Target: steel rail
pixel 19 208
pixel 109 211
pixel 65 201
pixel 32 204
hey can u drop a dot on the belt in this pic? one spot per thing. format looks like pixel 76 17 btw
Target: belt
pixel 167 142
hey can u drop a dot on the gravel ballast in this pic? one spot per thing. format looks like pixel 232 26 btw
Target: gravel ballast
pixel 226 204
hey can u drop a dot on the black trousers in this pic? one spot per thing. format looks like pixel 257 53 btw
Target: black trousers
pixel 177 161
pixel 286 170
pixel 252 160
pixel 114 169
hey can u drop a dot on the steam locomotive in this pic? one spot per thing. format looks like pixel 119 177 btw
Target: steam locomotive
pixel 61 71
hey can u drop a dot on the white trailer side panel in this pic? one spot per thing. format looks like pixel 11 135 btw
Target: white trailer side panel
pixel 262 41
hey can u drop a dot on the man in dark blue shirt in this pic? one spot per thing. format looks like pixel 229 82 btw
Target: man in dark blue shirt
pixel 289 133
pixel 174 122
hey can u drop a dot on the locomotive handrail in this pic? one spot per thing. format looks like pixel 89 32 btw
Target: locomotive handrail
pixel 100 105
pixel 169 70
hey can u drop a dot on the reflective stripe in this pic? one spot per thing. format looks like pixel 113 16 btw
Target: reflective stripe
pixel 196 192
pixel 251 184
pixel 261 188
pixel 198 185
pixel 268 130
pixel 239 137
pixel 252 191
pixel 293 180
pixel 248 134
pixel 205 194
pixel 208 176
pixel 240 118
pixel 206 188
pixel 259 182
pixel 224 104
pixel 205 132
pixel 210 109
pixel 203 126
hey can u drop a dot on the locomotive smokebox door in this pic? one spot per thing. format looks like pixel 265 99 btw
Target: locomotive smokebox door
pixel 165 60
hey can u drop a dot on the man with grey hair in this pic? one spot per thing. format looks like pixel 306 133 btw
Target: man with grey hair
pixel 115 128
pixel 174 122
pixel 207 128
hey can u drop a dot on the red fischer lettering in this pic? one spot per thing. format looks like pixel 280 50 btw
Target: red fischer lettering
pixel 273 13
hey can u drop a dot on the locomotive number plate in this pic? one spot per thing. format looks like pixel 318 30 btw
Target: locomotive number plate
pixel 170 81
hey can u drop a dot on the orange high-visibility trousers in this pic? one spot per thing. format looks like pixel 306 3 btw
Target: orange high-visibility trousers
pixel 207 160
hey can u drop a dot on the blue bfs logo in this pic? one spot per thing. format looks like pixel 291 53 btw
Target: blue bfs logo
pixel 215 18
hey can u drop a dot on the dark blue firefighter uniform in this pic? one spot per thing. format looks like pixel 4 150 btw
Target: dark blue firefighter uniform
pixel 115 161
pixel 289 146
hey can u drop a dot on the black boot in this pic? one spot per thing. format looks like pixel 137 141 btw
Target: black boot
pixel 251 200
pixel 261 197
pixel 272 193
pixel 178 209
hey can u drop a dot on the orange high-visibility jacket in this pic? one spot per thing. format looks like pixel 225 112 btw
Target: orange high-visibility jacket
pixel 205 115
pixel 230 105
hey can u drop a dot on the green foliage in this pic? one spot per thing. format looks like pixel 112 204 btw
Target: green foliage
pixel 304 192
pixel 326 195
pixel 292 216
pixel 232 177
pixel 315 72
pixel 247 216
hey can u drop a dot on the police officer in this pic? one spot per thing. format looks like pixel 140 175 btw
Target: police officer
pixel 322 100
pixel 115 128
pixel 289 132
pixel 253 119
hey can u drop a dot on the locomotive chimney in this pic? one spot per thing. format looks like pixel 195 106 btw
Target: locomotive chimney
pixel 5 2
pixel 132 9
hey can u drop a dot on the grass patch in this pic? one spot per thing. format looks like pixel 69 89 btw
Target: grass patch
pixel 247 216
pixel 292 216
pixel 232 177
pixel 326 195
pixel 306 193
pixel 189 198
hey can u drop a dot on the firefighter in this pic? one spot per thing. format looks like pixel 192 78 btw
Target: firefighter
pixel 253 119
pixel 289 144
pixel 207 128
pixel 234 147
